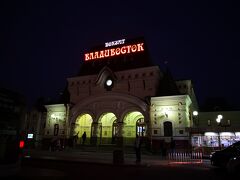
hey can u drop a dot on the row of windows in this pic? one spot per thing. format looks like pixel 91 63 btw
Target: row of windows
pixel 168 129
pixel 83 82
pixel 228 123
pixel 136 75
pixel 122 77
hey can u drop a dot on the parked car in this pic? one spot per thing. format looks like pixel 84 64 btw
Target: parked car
pixel 233 165
pixel 222 157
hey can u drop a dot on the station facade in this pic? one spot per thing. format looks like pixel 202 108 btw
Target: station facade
pixel 119 93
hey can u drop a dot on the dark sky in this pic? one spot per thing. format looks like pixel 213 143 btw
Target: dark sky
pixel 42 44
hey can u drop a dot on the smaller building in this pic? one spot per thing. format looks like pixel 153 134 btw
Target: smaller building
pixel 170 117
pixel 216 129
pixel 56 121
pixel 34 126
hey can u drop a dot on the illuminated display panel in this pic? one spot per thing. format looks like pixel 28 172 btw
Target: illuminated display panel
pixel 105 53
pixel 30 136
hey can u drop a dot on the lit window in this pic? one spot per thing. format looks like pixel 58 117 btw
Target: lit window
pixel 209 122
pixel 229 122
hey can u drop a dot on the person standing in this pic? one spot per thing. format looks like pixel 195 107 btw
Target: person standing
pixel 75 139
pixel 58 145
pixel 138 148
pixel 172 145
pixel 84 136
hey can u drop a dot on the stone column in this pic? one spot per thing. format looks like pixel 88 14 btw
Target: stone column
pixel 94 133
pixel 119 139
pixel 149 135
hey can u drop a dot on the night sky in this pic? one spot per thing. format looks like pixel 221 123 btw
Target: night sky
pixel 42 44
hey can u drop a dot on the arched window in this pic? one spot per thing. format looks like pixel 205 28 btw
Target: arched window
pixel 168 128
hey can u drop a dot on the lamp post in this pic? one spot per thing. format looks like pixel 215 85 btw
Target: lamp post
pixel 196 124
pixel 218 120
pixel 195 117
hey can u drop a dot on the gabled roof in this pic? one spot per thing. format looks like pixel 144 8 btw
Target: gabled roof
pixel 105 72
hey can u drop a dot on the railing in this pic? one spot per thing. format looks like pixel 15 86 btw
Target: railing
pixel 185 157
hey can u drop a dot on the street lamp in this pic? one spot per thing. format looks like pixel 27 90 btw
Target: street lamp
pixel 195 117
pixel 196 125
pixel 218 120
pixel 195 113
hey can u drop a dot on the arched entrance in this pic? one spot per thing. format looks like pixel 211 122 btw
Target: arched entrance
pixel 83 124
pixel 133 124
pixel 108 125
pixel 168 129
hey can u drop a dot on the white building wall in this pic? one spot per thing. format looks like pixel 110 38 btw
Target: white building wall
pixel 56 114
pixel 170 108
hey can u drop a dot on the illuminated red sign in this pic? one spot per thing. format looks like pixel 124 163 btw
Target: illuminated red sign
pixel 21 144
pixel 127 49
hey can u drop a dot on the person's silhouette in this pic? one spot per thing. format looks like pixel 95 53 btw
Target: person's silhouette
pixel 138 148
pixel 84 136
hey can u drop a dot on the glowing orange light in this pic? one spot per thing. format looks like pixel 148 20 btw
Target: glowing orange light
pixel 186 162
pixel 114 51
pixel 21 144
